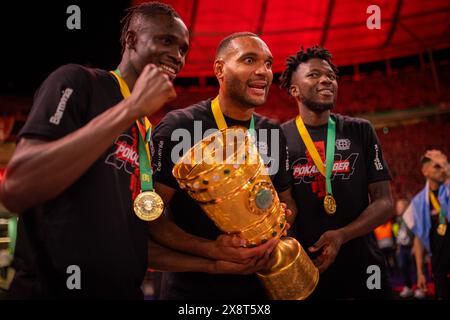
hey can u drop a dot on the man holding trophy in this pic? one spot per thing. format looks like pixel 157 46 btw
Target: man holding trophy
pixel 241 199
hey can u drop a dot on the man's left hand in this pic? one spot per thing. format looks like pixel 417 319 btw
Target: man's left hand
pixel 288 213
pixel 330 242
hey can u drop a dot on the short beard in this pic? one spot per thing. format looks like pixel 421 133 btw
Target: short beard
pixel 235 91
pixel 316 107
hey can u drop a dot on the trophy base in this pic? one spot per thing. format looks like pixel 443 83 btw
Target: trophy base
pixel 293 276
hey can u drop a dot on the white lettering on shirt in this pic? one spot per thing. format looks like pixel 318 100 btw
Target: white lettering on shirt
pixel 56 118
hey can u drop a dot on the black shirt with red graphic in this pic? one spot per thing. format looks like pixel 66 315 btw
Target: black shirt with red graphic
pixel 90 229
pixel 178 131
pixel 358 162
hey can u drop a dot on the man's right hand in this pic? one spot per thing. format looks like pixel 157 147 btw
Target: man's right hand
pixel 230 248
pixel 252 265
pixel 151 91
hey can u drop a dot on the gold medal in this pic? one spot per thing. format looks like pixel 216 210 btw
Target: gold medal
pixel 148 206
pixel 329 204
pixel 325 170
pixel 441 229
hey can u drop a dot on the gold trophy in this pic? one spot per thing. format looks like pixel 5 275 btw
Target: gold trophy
pixel 225 174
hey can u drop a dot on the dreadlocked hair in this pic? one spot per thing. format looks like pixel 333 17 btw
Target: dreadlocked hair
pixel 148 9
pixel 293 61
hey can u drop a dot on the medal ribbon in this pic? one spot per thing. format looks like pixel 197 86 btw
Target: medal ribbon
pixel 220 119
pixel 145 129
pixel 437 207
pixel 329 156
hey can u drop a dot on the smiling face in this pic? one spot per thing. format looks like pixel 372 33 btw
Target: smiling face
pixel 244 71
pixel 314 84
pixel 160 40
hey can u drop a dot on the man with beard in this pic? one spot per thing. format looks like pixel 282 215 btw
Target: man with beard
pixel 73 176
pixel 341 182
pixel 243 67
pixel 427 217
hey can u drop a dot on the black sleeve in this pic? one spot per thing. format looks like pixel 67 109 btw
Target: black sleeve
pixel 59 105
pixel 376 166
pixel 281 178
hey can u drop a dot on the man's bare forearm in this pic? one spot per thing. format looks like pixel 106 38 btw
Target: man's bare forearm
pixel 418 255
pixel 164 259
pixel 166 232
pixel 378 212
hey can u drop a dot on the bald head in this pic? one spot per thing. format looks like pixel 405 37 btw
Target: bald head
pixel 226 43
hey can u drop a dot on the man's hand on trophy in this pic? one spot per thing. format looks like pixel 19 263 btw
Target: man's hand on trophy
pixel 330 242
pixel 230 248
pixel 288 213
pixel 252 265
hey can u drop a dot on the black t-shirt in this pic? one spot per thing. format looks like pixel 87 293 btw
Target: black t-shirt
pixel 358 162
pixel 186 127
pixel 439 245
pixel 91 224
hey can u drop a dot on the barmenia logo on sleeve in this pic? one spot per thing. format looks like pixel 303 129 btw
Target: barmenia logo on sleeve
pixel 377 161
pixel 56 118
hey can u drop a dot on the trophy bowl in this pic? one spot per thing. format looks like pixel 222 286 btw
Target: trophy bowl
pixel 226 176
